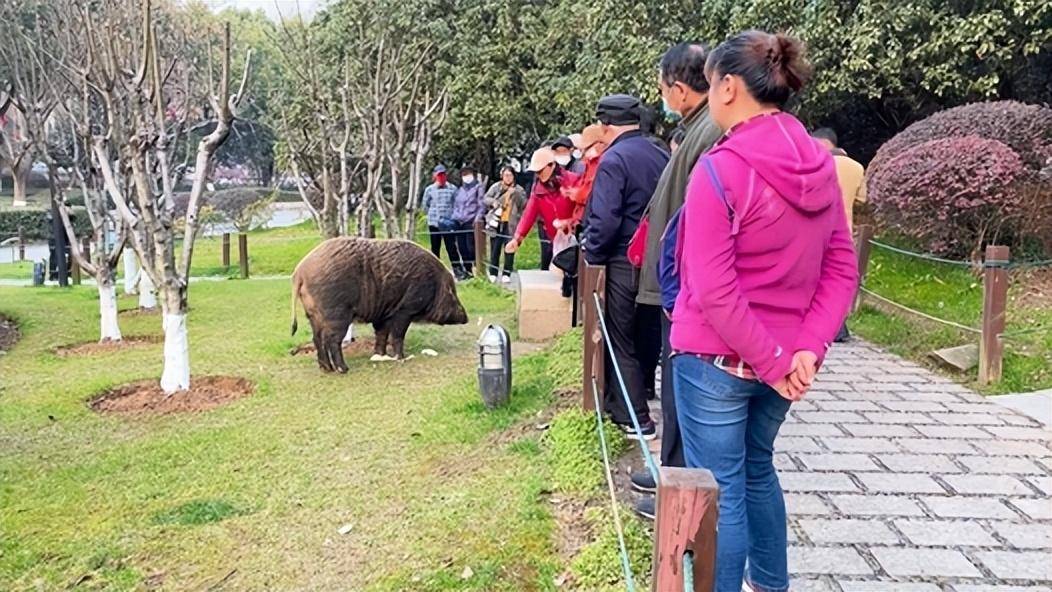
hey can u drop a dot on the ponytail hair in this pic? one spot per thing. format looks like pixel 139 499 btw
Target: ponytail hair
pixel 772 66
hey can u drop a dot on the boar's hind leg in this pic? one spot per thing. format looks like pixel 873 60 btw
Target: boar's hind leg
pixel 334 345
pixel 381 330
pixel 318 331
pixel 398 328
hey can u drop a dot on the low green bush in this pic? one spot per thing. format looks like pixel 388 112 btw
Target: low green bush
pixel 572 441
pixel 598 565
pixel 35 223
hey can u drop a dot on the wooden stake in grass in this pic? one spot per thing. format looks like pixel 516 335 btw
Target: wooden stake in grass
pixel 594 280
pixel 242 254
pixel 995 299
pixel 226 250
pixel 687 512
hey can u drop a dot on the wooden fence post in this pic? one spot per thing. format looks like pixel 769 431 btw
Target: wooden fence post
pixel 995 299
pixel 687 513
pixel 74 267
pixel 593 280
pixel 21 245
pixel 480 250
pixel 226 249
pixel 242 254
pixel 862 249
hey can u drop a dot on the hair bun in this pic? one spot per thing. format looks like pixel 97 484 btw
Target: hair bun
pixel 787 59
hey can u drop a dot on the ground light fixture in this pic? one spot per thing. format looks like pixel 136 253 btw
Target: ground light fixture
pixel 494 347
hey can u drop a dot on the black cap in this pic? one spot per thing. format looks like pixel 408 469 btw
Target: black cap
pixel 619 110
pixel 563 142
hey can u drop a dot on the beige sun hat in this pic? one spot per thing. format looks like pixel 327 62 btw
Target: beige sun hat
pixel 588 136
pixel 541 158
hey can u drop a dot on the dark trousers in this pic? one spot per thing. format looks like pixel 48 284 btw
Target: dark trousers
pixel 622 284
pixel 648 343
pixel 497 242
pixel 466 246
pixel 671 441
pixel 546 247
pixel 437 238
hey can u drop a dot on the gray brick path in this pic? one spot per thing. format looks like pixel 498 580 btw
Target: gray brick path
pixel 897 479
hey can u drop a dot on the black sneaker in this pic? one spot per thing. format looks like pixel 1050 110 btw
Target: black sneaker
pixel 647 507
pixel 649 430
pixel 644 482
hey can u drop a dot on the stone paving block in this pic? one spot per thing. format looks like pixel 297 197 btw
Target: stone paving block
pixel 986 484
pixel 810 585
pixel 879 430
pixel 945 533
pixel 859 445
pixel 868 396
pixel 938 446
pixel 1001 465
pixel 827 560
pixel 1013 448
pixel 1019 420
pixel 915 406
pixel 783 462
pixel 902 378
pixel 1025 536
pixel 1017 565
pixel 848 531
pixel 899 483
pixel 972 407
pixel 876 505
pixel 968 507
pixel 899 418
pixel 944 563
pixel 804 406
pixel 940 386
pixel 850 586
pixel 830 417
pixel 989 588
pixel 831 385
pixel 1035 509
pixel 803 481
pixel 882 387
pixel 918 463
pixel 838 462
pixel 1018 433
pixel 806 504
pixel 967 419
pixel 1042 483
pixel 817 394
pixel 930 396
pixel 945 431
pixel 810 429
pixel 847 406
pixel 796 444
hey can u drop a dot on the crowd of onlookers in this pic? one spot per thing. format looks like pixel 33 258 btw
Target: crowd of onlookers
pixel 729 264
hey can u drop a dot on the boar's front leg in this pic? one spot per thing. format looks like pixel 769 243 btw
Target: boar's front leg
pixel 381 329
pixel 398 328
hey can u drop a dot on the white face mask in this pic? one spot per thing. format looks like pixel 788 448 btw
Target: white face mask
pixel 468 179
pixel 577 154
pixel 563 159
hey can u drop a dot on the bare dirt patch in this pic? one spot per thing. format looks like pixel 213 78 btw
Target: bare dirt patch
pixel 1036 289
pixel 9 333
pixel 101 347
pixel 358 346
pixel 146 397
pixel 140 312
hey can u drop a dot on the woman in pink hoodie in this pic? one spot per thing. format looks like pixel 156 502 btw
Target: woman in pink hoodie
pixel 767 272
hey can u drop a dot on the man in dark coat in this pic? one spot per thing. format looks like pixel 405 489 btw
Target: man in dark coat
pixel 625 181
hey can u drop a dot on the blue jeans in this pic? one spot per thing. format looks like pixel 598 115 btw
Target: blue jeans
pixel 728 426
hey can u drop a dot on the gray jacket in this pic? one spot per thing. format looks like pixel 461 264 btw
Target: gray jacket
pixel 494 200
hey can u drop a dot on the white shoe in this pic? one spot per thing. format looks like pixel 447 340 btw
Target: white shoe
pixel 506 279
pixel 493 279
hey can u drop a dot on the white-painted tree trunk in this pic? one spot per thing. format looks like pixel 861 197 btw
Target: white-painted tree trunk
pixel 349 337
pixel 131 272
pixel 110 331
pixel 19 177
pixel 147 296
pixel 176 374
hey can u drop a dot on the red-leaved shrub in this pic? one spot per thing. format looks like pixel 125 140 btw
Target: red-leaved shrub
pixel 952 194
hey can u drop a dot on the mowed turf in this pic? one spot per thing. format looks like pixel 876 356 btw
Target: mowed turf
pixel 392 477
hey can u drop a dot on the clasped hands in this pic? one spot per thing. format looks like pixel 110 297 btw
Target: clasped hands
pixel 801 375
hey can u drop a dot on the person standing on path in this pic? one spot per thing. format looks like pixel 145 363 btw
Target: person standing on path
pixel 624 183
pixel 437 203
pixel 766 274
pixel 684 91
pixel 468 207
pixel 504 201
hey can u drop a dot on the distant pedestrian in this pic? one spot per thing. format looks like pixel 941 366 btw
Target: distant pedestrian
pixel 505 201
pixel 625 180
pixel 468 208
pixel 437 203
pixel 564 155
pixel 765 273
pixel 591 146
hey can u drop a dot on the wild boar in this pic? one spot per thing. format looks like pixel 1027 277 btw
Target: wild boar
pixel 389 283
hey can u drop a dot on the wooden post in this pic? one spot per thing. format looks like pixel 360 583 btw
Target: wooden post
pixel 862 249
pixel 995 299
pixel 480 250
pixel 74 269
pixel 593 280
pixel 21 245
pixel 226 249
pixel 242 254
pixel 687 513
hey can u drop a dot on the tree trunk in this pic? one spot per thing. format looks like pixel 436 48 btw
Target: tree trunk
pixel 147 292
pixel 176 374
pixel 19 177
pixel 110 331
pixel 131 272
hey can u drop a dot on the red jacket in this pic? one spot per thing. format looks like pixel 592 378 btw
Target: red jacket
pixel 582 189
pixel 548 201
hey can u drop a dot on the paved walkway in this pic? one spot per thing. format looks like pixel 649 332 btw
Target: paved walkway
pixel 900 480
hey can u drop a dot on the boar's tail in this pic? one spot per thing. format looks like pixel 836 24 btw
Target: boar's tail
pixel 295 296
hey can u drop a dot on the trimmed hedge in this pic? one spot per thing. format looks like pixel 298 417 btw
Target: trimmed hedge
pixel 36 225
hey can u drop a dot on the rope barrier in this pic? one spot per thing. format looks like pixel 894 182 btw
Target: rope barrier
pixel 1044 264
pixel 919 313
pixel 1030 331
pixel 688 570
pixel 647 457
pixel 924 256
pixel 626 567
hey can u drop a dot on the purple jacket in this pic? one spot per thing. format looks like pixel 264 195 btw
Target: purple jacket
pixel 468 204
pixel 777 277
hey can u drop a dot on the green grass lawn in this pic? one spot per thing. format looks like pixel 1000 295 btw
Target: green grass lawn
pixel 257 491
pixel 954 294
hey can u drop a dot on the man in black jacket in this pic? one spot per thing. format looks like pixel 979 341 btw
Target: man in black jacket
pixel 625 181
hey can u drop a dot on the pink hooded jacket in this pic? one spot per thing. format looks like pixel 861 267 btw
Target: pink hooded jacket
pixel 780 274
